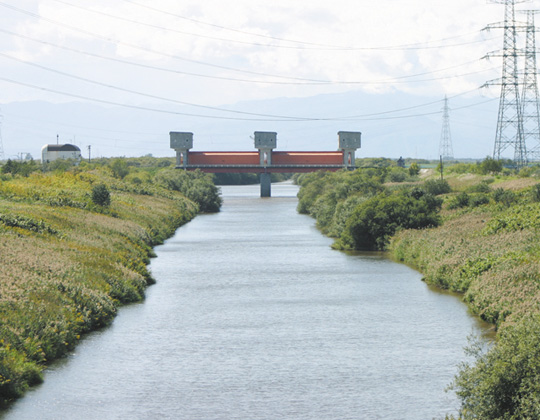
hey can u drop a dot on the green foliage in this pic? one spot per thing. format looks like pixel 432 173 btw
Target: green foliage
pixel 505 197
pixel 195 185
pixel 515 219
pixel 437 186
pixel 461 168
pixel 375 163
pixel 16 167
pixel 373 222
pixel 65 266
pixel 479 200
pixel 504 382
pixel 482 187
pixel 101 195
pixel 489 165
pixel 235 179
pixel 397 174
pixel 535 193
pixel 59 165
pixel 461 200
pixel 414 169
pixel 27 223
pixel 120 168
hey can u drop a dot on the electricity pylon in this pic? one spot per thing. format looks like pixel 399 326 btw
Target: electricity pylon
pixel 529 94
pixel 445 146
pixel 510 120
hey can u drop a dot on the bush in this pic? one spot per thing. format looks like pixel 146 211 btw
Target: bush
pixel 397 175
pixel 479 200
pixel 535 193
pixel 196 186
pixel 483 187
pixel 504 382
pixel 101 195
pixel 16 167
pixel 489 165
pixel 120 168
pixel 414 169
pixel 506 197
pixel 437 186
pixel 373 222
pixel 460 201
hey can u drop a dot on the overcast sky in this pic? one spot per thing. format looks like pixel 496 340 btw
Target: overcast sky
pixel 211 53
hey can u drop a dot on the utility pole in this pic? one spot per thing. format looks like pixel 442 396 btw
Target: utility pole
pixel 529 94
pixel 89 149
pixel 510 120
pixel 445 146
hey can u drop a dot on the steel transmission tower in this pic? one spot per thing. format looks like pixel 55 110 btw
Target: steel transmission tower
pixel 445 146
pixel 510 119
pixel 529 94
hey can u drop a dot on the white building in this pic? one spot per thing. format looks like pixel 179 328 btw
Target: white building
pixel 52 152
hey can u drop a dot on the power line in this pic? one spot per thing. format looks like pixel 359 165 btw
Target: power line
pixel 394 80
pixel 176 57
pixel 305 46
pixel 145 94
pixel 323 46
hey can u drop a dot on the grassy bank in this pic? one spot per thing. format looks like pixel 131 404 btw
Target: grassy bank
pixel 481 238
pixel 69 258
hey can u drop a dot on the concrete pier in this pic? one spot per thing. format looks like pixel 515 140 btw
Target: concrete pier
pixel 266 185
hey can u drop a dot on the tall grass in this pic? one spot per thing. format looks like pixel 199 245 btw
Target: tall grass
pixel 66 264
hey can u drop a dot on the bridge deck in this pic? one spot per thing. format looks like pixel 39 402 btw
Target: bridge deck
pixel 249 162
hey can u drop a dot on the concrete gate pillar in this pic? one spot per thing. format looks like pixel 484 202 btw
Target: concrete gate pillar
pixel 349 141
pixel 181 143
pixel 265 141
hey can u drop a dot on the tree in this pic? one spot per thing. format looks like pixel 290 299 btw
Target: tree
pixel 374 221
pixel 414 169
pixel 101 195
pixel 490 165
pixel 504 382
pixel 120 168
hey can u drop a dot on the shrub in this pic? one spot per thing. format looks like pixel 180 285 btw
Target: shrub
pixel 196 186
pixel 460 201
pixel 535 193
pixel 489 165
pixel 506 197
pixel 101 195
pixel 504 382
pixel 437 186
pixel 483 187
pixel 397 175
pixel 373 222
pixel 120 168
pixel 414 169
pixel 478 200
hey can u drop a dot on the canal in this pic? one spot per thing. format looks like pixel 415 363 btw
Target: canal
pixel 254 316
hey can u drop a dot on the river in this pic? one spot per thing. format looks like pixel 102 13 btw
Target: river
pixel 254 316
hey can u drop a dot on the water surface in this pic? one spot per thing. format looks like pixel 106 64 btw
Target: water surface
pixel 254 316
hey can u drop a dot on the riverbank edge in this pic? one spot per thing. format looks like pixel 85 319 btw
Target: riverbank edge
pixel 494 271
pixel 126 280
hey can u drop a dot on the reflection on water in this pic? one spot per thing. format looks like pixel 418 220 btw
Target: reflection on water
pixel 254 316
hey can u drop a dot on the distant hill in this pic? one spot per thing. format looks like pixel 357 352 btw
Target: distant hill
pixel 117 131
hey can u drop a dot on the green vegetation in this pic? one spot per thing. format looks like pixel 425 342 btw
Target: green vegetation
pixel 484 243
pixel 358 210
pixel 74 245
